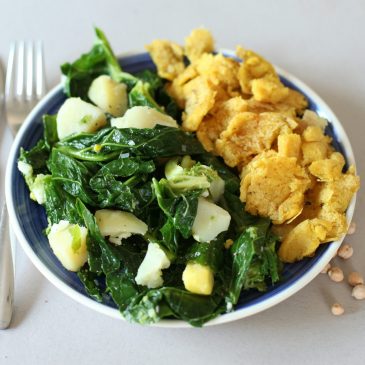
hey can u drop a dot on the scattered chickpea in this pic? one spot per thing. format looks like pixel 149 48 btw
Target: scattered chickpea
pixel 337 309
pixel 335 274
pixel 326 268
pixel 355 278
pixel 358 292
pixel 352 228
pixel 345 251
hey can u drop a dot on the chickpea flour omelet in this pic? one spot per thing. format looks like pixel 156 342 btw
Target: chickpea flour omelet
pixel 174 192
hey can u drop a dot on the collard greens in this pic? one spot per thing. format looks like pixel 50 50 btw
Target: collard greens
pixel 125 172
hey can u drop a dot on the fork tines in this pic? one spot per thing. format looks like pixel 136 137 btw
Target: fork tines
pixel 25 74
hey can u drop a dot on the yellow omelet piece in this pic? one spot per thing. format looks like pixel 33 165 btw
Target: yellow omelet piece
pixel 337 193
pixel 176 87
pixel 253 66
pixel 200 96
pixel 328 169
pixel 219 70
pixel 248 134
pixel 295 103
pixel 269 89
pixel 216 122
pixel 289 145
pixel 168 58
pixel 304 239
pixel 274 186
pixel 199 41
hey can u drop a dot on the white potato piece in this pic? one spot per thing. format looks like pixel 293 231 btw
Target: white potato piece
pixel 37 189
pixel 68 242
pixel 150 271
pixel 76 115
pixel 198 279
pixel 109 95
pixel 210 220
pixel 118 224
pixel 143 117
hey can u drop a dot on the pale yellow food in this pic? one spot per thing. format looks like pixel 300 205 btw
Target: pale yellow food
pixel 338 193
pixel 215 123
pixel 199 100
pixel 219 70
pixel 273 186
pixel 313 134
pixel 269 89
pixel 199 41
pixel 198 279
pixel 168 58
pixel 314 151
pixel 303 239
pixel 289 145
pixel 253 67
pixel 109 95
pixel 176 87
pixel 68 243
pixel 328 169
pixel 242 112
pixel 248 134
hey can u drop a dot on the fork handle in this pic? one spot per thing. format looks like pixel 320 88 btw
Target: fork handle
pixel 6 271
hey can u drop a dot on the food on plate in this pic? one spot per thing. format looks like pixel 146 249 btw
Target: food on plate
pixel 290 172
pixel 163 189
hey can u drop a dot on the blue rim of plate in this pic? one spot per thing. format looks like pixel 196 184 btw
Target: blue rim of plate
pixel 29 219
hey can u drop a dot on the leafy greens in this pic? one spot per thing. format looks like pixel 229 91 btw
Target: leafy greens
pixel 123 169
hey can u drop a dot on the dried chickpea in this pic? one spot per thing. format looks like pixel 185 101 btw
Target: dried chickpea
pixel 355 278
pixel 326 268
pixel 337 309
pixel 352 228
pixel 335 274
pixel 358 292
pixel 345 251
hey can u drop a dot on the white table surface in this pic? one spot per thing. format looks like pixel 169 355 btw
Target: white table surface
pixel 322 42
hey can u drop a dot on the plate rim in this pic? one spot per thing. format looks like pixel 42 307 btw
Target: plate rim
pixel 302 281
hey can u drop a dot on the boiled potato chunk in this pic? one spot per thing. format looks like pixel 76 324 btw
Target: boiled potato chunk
pixel 68 242
pixel 210 220
pixel 143 117
pixel 76 116
pixel 109 95
pixel 198 279
pixel 150 271
pixel 118 225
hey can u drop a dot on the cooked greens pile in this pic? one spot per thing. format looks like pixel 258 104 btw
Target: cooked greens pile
pixel 164 230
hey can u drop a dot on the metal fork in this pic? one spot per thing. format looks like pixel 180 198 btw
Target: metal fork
pixel 25 85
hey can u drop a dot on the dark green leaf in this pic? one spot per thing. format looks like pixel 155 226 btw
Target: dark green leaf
pixel 59 204
pixel 36 157
pixel 99 61
pixel 240 218
pixel 207 253
pixel 149 143
pixel 110 261
pixel 73 175
pixel 155 304
pixel 254 259
pixel 122 288
pixel 50 130
pixel 90 281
